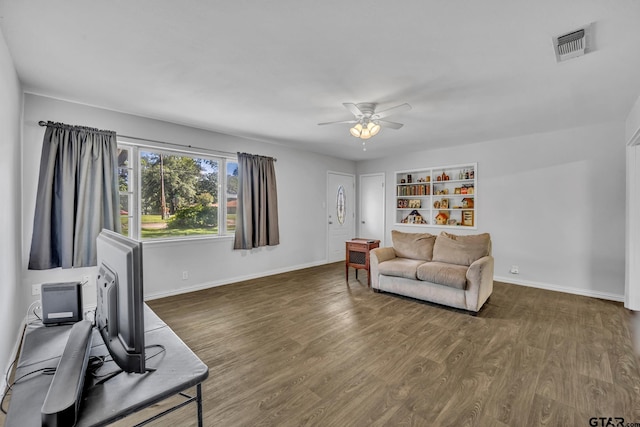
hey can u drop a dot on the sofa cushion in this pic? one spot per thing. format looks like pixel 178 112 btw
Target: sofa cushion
pixel 461 250
pixel 413 245
pixel 400 267
pixel 442 273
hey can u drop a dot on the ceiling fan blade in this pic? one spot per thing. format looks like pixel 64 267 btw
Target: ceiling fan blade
pixel 391 125
pixel 393 110
pixel 333 123
pixel 354 109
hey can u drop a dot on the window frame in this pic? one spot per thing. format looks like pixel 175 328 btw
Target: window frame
pixel 135 181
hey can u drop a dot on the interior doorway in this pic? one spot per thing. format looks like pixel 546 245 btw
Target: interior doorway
pixel 372 207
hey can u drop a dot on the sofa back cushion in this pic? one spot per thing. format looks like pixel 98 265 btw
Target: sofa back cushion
pixel 461 250
pixel 413 245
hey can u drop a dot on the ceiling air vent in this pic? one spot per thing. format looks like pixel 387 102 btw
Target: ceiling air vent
pixel 572 45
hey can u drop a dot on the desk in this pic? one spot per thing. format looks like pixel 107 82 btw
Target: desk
pixel 177 369
pixel 357 256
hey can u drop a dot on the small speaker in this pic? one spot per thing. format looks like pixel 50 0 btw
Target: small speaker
pixel 61 303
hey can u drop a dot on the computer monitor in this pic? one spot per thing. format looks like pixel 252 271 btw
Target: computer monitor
pixel 120 303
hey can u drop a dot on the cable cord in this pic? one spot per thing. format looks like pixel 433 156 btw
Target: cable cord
pixel 45 371
pixel 101 360
pixel 32 309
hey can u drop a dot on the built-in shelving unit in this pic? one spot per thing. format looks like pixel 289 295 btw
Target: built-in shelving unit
pixel 443 196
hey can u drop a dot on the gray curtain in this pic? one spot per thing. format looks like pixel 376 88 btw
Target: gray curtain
pixel 77 196
pixel 257 211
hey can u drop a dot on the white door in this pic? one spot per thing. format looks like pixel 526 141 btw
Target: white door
pixel 372 207
pixel 341 203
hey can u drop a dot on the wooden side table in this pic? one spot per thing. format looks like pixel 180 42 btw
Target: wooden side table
pixel 358 256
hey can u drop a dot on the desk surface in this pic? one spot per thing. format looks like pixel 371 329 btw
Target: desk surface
pixel 177 369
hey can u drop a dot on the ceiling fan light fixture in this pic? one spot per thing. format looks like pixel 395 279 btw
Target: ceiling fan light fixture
pixel 356 130
pixel 366 119
pixel 374 128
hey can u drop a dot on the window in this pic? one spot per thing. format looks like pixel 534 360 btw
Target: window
pixel 178 194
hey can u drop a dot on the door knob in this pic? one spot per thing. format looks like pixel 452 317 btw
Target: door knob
pixel 363 222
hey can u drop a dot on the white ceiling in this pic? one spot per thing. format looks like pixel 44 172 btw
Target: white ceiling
pixel 472 70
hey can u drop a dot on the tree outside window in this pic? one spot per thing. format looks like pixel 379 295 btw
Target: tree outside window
pixel 180 195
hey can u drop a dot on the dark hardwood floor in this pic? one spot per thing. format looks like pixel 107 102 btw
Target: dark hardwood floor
pixel 303 348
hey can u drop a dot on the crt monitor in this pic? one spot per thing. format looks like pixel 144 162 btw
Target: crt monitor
pixel 120 304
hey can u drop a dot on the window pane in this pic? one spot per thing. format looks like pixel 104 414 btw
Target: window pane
pixel 124 214
pixel 124 184
pixel 232 195
pixel 178 195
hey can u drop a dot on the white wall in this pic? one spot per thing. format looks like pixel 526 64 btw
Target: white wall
pixel 301 178
pixel 12 303
pixel 553 203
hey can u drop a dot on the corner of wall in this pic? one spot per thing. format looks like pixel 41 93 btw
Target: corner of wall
pixel 632 125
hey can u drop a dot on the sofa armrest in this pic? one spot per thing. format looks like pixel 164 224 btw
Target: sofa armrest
pixel 376 256
pixel 479 282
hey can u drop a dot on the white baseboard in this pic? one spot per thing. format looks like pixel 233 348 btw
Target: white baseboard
pixel 565 289
pixel 213 284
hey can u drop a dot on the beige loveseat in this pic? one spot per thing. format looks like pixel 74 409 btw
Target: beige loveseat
pixel 448 269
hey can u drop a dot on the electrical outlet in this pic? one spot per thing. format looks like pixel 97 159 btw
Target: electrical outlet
pixel 185 275
pixel 514 269
pixel 35 289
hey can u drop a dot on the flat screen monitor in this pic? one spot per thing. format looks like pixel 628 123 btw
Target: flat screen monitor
pixel 120 304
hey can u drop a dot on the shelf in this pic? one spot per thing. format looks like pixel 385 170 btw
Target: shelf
pixel 452 195
pixel 424 185
pixel 454 181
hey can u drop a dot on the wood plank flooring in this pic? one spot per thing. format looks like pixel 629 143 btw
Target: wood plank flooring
pixel 305 348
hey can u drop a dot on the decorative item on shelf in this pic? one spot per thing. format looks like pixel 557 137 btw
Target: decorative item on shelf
pixel 402 203
pixel 436 204
pixel 467 203
pixel 415 204
pixel 470 190
pixel 457 190
pixel 467 218
pixel 444 204
pixel 428 178
pixel 409 179
pixel 402 181
pixel 461 175
pixel 471 174
pixel 445 191
pixel 439 178
pixel 464 190
pixel 414 218
pixel 452 221
pixel 442 218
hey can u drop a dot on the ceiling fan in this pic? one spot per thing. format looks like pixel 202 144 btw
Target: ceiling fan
pixel 368 122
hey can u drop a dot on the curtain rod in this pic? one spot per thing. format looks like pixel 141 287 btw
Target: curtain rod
pixel 227 153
